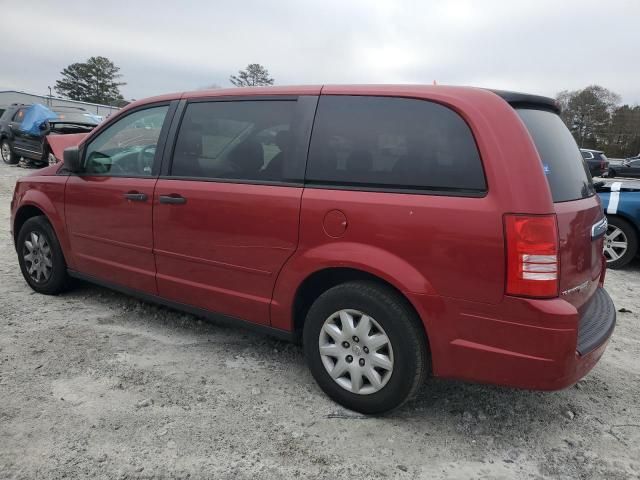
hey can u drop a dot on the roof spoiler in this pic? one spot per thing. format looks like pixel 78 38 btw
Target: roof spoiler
pixel 524 100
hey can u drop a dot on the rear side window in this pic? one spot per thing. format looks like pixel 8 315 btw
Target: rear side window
pixel 237 140
pixel 393 143
pixel 561 159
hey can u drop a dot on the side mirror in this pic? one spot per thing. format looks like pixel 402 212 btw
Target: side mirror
pixel 71 159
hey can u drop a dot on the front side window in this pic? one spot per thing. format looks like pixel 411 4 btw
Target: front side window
pixel 393 143
pixel 128 146
pixel 236 140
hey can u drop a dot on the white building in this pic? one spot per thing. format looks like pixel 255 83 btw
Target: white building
pixel 7 97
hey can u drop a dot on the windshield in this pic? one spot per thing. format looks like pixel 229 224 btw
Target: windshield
pixel 562 161
pixel 83 118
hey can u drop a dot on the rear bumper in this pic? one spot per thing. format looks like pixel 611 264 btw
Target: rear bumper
pixel 522 343
pixel 597 323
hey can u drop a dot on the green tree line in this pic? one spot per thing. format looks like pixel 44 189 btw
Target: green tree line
pixel 597 119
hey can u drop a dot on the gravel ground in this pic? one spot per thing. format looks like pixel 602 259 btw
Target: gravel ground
pixel 94 384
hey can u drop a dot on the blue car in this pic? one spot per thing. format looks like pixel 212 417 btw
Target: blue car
pixel 621 203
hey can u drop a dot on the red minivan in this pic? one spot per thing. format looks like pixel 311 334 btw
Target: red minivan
pixel 398 231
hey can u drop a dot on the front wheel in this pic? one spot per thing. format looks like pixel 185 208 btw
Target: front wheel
pixel 6 152
pixel 40 256
pixel 365 347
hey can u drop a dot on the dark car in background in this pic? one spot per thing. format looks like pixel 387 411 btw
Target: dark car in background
pixel 596 160
pixel 16 143
pixel 630 168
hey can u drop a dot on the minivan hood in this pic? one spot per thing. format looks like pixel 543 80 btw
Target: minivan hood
pixel 59 142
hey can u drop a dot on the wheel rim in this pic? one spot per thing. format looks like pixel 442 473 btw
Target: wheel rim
pixel 36 254
pixel 52 159
pixel 615 243
pixel 356 352
pixel 6 152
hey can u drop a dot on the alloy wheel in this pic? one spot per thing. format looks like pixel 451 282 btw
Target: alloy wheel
pixel 36 253
pixel 615 243
pixel 5 151
pixel 356 352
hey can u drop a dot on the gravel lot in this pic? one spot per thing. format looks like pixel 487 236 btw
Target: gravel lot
pixel 94 384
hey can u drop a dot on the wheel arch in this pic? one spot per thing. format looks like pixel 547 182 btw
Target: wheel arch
pixel 319 281
pixel 36 203
pixel 24 213
pixel 627 218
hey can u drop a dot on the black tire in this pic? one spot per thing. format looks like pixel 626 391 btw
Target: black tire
pixel 612 173
pixel 58 280
pixel 632 242
pixel 5 146
pixel 403 329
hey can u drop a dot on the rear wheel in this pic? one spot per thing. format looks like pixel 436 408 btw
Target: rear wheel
pixel 6 152
pixel 620 243
pixel 365 347
pixel 40 257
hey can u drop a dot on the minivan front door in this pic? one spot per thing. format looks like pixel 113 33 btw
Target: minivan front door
pixel 108 206
pixel 226 213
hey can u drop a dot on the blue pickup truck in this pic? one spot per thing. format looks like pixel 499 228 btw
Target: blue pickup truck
pixel 621 203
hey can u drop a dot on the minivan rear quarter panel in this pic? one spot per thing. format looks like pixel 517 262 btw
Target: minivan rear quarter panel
pixel 450 246
pixel 446 253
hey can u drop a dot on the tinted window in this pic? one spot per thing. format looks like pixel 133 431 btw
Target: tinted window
pixel 128 146
pixel 19 115
pixel 240 140
pixel 393 143
pixel 563 165
pixel 587 155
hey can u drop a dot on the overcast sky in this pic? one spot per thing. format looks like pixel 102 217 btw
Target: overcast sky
pixel 536 46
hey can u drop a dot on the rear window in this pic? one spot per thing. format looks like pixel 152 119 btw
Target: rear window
pixel 389 144
pixel 561 159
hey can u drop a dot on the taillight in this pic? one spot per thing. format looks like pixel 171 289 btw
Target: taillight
pixel 532 255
